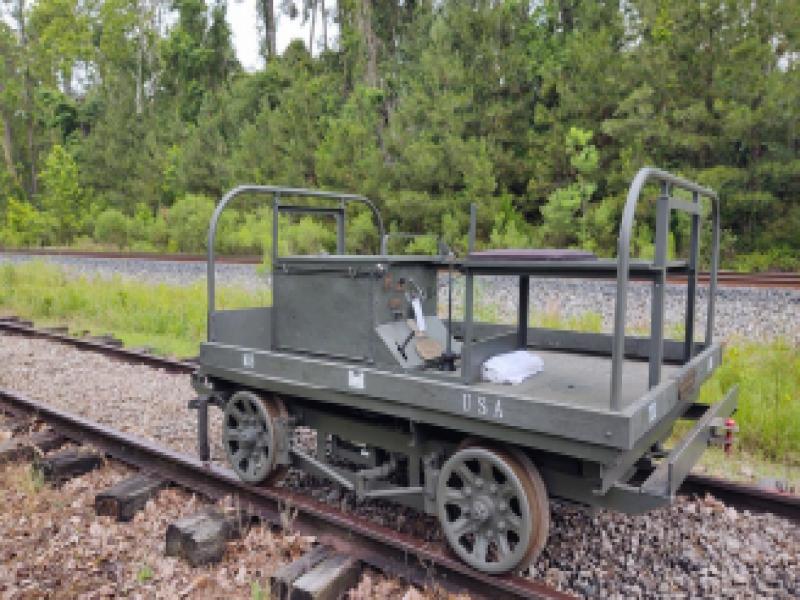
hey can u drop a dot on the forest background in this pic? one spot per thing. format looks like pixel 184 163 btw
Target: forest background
pixel 123 121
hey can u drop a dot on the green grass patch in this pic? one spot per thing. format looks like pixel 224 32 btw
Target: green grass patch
pixel 768 376
pixel 169 318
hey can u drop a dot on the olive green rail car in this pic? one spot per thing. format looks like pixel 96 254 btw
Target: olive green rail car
pixel 354 349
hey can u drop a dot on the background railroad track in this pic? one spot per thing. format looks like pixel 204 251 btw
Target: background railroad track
pixel 773 279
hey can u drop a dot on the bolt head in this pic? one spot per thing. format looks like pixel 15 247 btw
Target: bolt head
pixel 478 482
pixel 467 490
pixel 501 524
pixel 493 488
pixel 502 506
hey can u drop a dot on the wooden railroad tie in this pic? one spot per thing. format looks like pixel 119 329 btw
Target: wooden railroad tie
pixel 201 538
pixel 123 500
pixel 25 447
pixel 320 574
pixel 57 329
pixel 107 339
pixel 67 464
pixel 16 425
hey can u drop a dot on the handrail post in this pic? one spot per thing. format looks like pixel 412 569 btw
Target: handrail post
pixel 658 287
pixel 691 283
pixel 466 344
pixel 712 284
pixel 623 267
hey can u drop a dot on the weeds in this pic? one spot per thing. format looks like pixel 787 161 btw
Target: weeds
pixel 257 592
pixel 144 574
pixel 36 481
pixel 768 376
pixel 169 318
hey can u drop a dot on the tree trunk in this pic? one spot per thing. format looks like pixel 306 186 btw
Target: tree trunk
pixel 139 99
pixel 324 26
pixel 28 94
pixel 268 14
pixel 8 133
pixel 370 42
pixel 313 25
pixel 8 146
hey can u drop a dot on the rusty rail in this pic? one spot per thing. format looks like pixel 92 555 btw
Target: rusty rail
pixel 415 561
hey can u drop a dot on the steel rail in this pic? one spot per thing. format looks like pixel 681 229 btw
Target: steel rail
pixel 743 496
pixel 415 561
pixel 15 326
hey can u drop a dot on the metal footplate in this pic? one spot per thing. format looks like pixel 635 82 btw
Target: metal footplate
pixel 668 476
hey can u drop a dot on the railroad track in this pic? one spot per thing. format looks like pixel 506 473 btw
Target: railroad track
pixel 725 278
pixel 415 561
pixel 739 495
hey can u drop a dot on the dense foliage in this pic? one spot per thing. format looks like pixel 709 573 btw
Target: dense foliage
pixel 123 119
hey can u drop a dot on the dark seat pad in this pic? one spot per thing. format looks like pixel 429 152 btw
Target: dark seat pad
pixel 532 254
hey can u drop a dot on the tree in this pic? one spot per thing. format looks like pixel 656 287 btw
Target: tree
pixel 198 55
pixel 63 198
pixel 560 227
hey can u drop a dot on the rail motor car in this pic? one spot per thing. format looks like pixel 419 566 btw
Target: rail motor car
pixel 354 347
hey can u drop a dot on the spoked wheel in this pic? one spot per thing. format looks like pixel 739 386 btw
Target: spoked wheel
pixel 493 508
pixel 248 436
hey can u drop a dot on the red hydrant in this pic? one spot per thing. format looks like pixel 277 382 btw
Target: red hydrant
pixel 730 427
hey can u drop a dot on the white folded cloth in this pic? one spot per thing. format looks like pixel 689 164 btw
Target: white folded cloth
pixel 512 367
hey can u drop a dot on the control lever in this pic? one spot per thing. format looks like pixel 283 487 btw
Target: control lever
pixel 401 348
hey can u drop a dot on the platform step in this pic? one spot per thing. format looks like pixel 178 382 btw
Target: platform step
pixel 68 464
pixel 123 500
pixel 201 538
pixel 24 447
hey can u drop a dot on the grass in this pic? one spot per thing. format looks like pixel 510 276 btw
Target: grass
pixel 169 318
pixel 768 376
pixel 172 320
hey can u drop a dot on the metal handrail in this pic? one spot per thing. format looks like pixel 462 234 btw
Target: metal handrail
pixel 645 175
pixel 277 192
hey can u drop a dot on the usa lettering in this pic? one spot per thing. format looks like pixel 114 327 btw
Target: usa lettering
pixel 481 406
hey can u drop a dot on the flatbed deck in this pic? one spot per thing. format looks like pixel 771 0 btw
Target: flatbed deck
pixel 579 380
pixel 535 412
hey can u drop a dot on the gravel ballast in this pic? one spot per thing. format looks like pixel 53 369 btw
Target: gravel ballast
pixel 694 548
pixel 760 314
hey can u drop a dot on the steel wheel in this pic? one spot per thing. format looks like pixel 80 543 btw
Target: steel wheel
pixel 248 435
pixel 540 507
pixel 485 504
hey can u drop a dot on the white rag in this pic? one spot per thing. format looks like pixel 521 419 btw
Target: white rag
pixel 512 367
pixel 420 318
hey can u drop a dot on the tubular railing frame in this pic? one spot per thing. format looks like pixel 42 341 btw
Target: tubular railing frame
pixel 277 192
pixel 665 205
